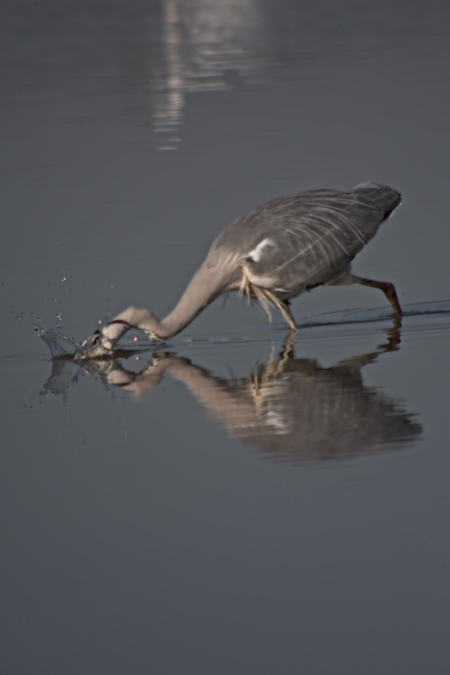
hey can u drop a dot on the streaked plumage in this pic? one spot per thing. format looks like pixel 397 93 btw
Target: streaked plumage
pixel 273 253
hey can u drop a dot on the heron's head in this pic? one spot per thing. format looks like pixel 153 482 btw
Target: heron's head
pixel 94 347
pixel 134 317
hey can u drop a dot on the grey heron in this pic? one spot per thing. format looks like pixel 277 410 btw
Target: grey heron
pixel 273 253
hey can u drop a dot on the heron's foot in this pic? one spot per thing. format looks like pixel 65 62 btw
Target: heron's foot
pixel 96 346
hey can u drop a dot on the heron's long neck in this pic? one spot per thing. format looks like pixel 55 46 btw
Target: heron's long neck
pixel 206 285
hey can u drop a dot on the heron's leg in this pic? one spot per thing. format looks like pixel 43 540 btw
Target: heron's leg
pixel 387 288
pixel 283 306
pixel 286 312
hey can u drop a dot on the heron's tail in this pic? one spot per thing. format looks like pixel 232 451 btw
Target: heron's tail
pixel 378 196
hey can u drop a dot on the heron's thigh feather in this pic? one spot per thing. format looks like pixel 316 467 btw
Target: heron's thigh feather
pixel 345 278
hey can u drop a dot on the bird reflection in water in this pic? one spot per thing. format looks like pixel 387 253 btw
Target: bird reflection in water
pixel 291 409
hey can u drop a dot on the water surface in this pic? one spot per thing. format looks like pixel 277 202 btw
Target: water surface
pixel 228 502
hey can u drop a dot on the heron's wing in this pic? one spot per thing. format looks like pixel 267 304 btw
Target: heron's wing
pixel 310 238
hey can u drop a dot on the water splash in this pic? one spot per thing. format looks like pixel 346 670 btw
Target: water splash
pixel 60 345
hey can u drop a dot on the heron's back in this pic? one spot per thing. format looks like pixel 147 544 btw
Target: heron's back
pixel 296 242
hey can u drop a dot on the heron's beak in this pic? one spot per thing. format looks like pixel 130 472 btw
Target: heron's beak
pixel 96 346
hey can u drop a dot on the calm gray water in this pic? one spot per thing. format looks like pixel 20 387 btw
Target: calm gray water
pixel 232 504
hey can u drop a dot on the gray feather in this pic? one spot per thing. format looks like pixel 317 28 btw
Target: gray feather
pixel 314 235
